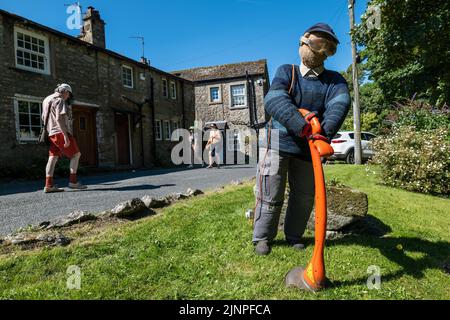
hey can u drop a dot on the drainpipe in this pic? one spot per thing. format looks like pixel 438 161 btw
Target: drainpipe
pixel 152 105
pixel 249 99
pixel 141 123
pixel 183 115
pixel 255 109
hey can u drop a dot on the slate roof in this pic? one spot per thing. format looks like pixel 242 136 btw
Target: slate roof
pixel 225 71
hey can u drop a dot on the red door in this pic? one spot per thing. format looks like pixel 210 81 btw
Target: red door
pixel 123 139
pixel 84 131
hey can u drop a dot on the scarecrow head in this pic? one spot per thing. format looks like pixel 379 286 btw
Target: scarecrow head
pixel 317 44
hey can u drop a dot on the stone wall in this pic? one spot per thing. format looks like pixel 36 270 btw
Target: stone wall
pixel 96 79
pixel 237 117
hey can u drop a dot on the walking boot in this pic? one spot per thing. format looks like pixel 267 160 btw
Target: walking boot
pixel 262 248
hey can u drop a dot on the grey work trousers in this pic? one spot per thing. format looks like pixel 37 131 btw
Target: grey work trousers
pixel 273 170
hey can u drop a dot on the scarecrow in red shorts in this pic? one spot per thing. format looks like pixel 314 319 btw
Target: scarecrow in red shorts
pixel 57 114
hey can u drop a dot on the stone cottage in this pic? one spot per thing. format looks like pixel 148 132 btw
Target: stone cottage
pixel 124 110
pixel 233 93
pixel 232 96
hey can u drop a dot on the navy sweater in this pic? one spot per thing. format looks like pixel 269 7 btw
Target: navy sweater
pixel 327 94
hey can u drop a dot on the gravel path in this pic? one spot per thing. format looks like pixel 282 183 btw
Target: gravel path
pixel 24 203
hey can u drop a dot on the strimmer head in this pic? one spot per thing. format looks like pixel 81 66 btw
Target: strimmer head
pixel 295 279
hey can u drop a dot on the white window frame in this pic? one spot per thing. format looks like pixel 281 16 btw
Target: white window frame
pixel 45 55
pixel 158 131
pixel 132 77
pixel 232 106
pixel 28 99
pixel 219 99
pixel 166 133
pixel 173 90
pixel 164 85
pixel 176 125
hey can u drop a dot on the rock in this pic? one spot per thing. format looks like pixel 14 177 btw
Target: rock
pixel 128 208
pixel 44 224
pixel 53 239
pixel 175 197
pixel 334 235
pixel 334 221
pixel 194 192
pixel 22 238
pixel 74 217
pixel 153 203
pixel 104 214
pixel 347 202
pixel 26 239
pixel 345 206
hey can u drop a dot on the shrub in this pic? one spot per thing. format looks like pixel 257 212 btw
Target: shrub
pixel 416 114
pixel 415 160
pixel 369 122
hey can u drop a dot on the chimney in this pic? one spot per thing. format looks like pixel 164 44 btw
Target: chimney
pixel 93 30
pixel 145 61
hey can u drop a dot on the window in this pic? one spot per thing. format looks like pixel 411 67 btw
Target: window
pixel 164 88
pixel 238 95
pixel 29 122
pixel 167 130
pixel 127 77
pixel 32 52
pixel 175 126
pixel 214 94
pixel 158 130
pixel 173 90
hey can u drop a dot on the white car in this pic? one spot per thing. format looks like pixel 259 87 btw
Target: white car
pixel 343 144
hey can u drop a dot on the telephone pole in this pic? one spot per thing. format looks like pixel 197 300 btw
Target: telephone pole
pixel 356 106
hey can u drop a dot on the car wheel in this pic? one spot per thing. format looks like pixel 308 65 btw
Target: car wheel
pixel 350 159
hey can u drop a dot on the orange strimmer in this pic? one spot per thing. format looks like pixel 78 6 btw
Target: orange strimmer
pixel 313 277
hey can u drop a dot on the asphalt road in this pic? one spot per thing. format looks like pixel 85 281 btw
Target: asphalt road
pixel 24 203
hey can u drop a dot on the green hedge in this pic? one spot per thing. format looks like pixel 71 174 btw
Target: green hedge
pixel 414 154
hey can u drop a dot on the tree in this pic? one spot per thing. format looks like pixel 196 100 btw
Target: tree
pixel 409 54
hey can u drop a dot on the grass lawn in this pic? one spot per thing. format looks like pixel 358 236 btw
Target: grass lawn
pixel 201 249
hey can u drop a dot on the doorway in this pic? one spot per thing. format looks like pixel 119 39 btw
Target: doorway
pixel 123 136
pixel 85 132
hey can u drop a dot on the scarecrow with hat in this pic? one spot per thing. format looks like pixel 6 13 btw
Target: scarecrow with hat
pixel 324 93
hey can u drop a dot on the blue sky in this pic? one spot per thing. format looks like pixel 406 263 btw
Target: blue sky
pixel 181 34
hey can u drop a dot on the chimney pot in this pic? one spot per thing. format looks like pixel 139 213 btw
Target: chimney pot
pixel 93 30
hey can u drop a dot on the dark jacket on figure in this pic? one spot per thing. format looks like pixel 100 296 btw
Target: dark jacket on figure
pixel 326 94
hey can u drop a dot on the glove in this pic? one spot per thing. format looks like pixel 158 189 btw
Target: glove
pixel 322 145
pixel 317 136
pixel 310 115
pixel 307 130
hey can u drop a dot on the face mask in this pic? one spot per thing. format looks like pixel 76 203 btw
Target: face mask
pixel 310 58
pixel 320 45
